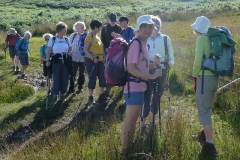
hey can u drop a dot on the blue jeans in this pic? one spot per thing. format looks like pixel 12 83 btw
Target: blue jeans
pixel 60 77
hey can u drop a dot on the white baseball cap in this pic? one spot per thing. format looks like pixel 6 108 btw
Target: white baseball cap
pixel 143 19
pixel 201 24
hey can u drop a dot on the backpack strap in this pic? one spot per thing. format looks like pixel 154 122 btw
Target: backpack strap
pixel 74 36
pixel 166 49
pixel 66 39
pixel 53 40
pixel 105 29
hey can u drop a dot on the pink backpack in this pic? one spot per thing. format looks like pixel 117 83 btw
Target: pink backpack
pixel 115 72
pixel 116 62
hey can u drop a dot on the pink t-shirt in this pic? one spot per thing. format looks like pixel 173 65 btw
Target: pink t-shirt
pixel 142 63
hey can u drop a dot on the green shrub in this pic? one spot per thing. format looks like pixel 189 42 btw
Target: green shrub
pixel 14 92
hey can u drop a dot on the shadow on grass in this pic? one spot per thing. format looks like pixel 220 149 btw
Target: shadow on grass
pixel 176 87
pixel 43 119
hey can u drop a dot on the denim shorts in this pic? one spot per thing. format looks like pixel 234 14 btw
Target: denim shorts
pixel 136 98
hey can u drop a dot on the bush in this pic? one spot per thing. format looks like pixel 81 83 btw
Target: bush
pixel 14 92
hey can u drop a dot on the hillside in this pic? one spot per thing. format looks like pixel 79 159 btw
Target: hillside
pixel 76 130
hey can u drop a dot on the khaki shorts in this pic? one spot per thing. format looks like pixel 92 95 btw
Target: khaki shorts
pixel 210 86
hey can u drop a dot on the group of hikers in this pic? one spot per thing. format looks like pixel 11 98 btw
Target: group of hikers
pixel 150 56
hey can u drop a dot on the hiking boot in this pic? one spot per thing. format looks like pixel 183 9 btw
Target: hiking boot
pixel 200 137
pixel 54 99
pixel 49 92
pixel 62 98
pixel 23 76
pixel 209 149
pixel 103 97
pixel 90 99
pixel 17 69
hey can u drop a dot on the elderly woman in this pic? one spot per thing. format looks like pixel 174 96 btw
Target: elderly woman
pixel 22 47
pixel 137 66
pixel 59 47
pixel 47 71
pixel 94 60
pixel 157 43
pixel 77 40
pixel 205 100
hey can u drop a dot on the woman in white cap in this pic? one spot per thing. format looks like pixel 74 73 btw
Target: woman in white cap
pixel 137 66
pixel 205 100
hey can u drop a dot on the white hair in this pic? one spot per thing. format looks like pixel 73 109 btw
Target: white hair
pixel 158 22
pixel 47 35
pixel 77 24
pixel 27 33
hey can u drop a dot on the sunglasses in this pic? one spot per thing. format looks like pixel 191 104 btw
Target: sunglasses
pixel 46 39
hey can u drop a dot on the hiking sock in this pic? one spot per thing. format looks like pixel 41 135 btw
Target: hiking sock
pixel 210 141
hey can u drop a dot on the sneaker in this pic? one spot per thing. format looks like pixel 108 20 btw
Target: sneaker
pixel 23 76
pixel 200 137
pixel 209 149
pixel 90 99
pixel 17 69
pixel 54 99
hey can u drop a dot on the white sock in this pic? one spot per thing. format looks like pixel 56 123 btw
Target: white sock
pixel 210 141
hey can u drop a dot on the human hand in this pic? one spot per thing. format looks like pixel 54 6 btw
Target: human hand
pixel 195 84
pixel 70 54
pixel 106 50
pixel 157 73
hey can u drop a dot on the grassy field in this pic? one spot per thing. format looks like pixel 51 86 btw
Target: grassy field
pixel 75 130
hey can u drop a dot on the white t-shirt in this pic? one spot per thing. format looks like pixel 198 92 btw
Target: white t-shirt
pixel 60 45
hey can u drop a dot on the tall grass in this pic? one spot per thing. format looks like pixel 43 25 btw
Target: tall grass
pixel 99 138
pixel 14 92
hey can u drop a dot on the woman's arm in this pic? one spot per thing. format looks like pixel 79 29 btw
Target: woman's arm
pixel 132 69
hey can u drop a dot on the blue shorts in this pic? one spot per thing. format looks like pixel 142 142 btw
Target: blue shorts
pixel 136 98
pixel 24 60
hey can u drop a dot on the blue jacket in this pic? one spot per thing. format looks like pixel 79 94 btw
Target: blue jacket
pixel 127 34
pixel 22 46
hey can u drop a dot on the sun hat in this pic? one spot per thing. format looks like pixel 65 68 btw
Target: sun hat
pixel 113 17
pixel 201 24
pixel 123 18
pixel 12 31
pixel 147 19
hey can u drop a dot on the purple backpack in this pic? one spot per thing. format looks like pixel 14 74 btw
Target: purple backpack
pixel 116 62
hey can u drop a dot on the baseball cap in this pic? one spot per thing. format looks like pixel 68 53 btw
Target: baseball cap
pixel 113 17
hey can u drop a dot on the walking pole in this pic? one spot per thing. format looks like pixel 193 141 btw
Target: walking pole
pixel 93 68
pixel 5 54
pixel 156 103
pixel 48 87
